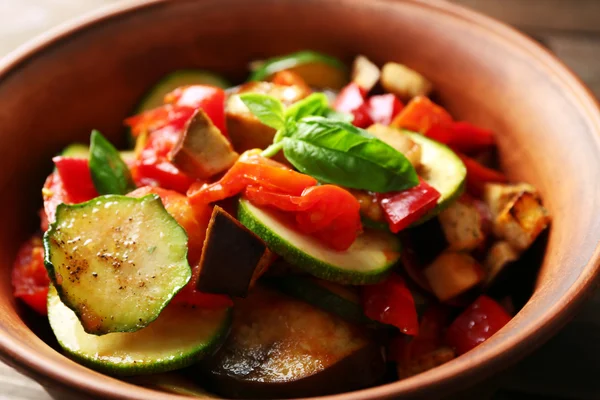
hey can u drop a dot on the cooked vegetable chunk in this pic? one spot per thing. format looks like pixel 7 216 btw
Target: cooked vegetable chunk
pixel 245 130
pixel 399 140
pixel 179 337
pixel 232 255
pixel 519 216
pixel 202 151
pixel 403 81
pixel 498 257
pixel 116 261
pixel 425 362
pixel 364 73
pixel 281 348
pixel 463 225
pixel 451 274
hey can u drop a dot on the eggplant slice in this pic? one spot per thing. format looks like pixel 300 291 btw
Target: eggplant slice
pixel 280 347
pixel 233 257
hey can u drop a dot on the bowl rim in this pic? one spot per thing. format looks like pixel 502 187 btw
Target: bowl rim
pixel 457 373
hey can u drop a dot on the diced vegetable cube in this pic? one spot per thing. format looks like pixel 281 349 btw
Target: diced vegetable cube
pixel 403 81
pixel 451 274
pixel 499 256
pixel 364 73
pixel 497 195
pixel 399 141
pixel 425 362
pixel 463 225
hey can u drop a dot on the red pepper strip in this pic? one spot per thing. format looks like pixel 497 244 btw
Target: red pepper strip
pixel 392 303
pixel 251 169
pixel 210 99
pixel 401 209
pixel 328 212
pixel 152 167
pixel 478 175
pixel 476 324
pixel 384 108
pixel 29 277
pixel 429 339
pixel 158 118
pixel 469 138
pixel 351 100
pixel 76 178
pixel 53 194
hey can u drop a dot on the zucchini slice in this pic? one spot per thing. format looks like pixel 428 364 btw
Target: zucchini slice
pixel 442 169
pixel 179 337
pixel 116 261
pixel 155 96
pixel 328 296
pixel 368 260
pixel 280 347
pixel 318 70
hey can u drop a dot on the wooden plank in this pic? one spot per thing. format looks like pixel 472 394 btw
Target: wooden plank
pixel 574 15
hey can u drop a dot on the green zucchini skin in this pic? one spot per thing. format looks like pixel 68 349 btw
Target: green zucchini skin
pixel 381 249
pixel 179 337
pixel 116 261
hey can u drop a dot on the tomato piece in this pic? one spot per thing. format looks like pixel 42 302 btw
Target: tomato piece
pixel 194 223
pixel 29 277
pixel 327 212
pixel 423 116
pixel 478 175
pixel 476 324
pixel 392 303
pixel 401 209
pixel 384 108
pixel 158 118
pixel 351 100
pixel 76 178
pixel 210 99
pixel 53 193
pixel 251 169
pixel 469 138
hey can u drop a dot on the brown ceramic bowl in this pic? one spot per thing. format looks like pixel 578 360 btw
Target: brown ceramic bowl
pixel 90 74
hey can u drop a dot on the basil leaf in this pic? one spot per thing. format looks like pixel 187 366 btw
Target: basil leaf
pixel 316 104
pixel 267 109
pixel 109 172
pixel 338 115
pixel 337 152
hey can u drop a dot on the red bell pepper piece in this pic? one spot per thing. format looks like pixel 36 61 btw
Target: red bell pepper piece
pixel 76 178
pixel 476 324
pixel 392 303
pixel 53 194
pixel 423 116
pixel 251 169
pixel 328 212
pixel 478 175
pixel 384 108
pixel 469 138
pixel 160 117
pixel 29 277
pixel 210 99
pixel 401 209
pixel 351 100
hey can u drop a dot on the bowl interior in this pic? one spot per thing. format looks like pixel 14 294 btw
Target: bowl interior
pixel 547 127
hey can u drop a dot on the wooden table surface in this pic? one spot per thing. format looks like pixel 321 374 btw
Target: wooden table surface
pixel 568 366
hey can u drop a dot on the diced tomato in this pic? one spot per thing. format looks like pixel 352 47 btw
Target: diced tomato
pixel 29 277
pixel 327 212
pixel 469 138
pixel 351 100
pixel 251 169
pixel 478 175
pixel 76 178
pixel 194 223
pixel 210 99
pixel 53 194
pixel 476 324
pixel 401 209
pixel 384 108
pixel 160 117
pixel 423 116
pixel 392 303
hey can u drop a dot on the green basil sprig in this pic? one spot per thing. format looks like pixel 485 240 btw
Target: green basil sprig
pixel 321 142
pixel 109 172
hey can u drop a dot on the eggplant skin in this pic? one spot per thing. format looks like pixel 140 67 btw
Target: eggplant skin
pixel 361 369
pixel 280 347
